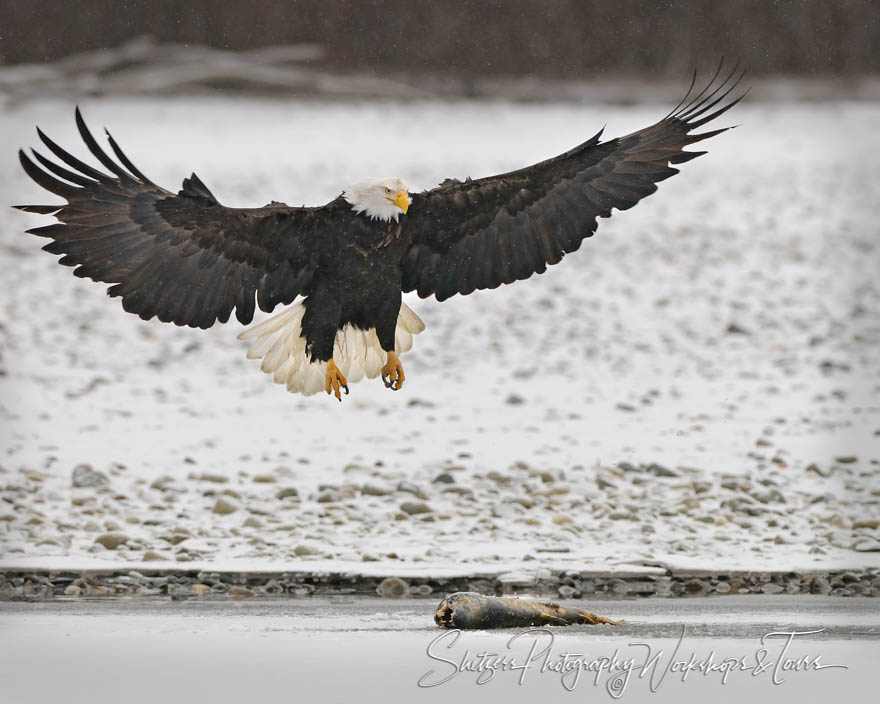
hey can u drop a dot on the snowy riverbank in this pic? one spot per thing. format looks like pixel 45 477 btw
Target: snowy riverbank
pixel 699 384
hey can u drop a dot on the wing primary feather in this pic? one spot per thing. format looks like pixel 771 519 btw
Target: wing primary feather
pixel 698 99
pixel 50 183
pixel 62 172
pixel 95 149
pixel 71 160
pixel 682 157
pixel 711 116
pixel 692 138
pixel 686 95
pixel 125 160
pixel 711 101
pixel 41 209
pixel 52 230
pixel 708 101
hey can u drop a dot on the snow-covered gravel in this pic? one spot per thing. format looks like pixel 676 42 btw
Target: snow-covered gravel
pixel 698 385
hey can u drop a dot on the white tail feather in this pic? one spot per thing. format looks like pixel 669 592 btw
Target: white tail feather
pixel 278 341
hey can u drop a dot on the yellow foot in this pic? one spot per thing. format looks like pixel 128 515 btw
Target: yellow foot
pixel 392 372
pixel 334 380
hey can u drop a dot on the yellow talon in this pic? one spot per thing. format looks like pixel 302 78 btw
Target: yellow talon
pixel 392 373
pixel 334 380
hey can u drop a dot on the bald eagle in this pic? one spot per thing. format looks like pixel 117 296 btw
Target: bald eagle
pixel 187 259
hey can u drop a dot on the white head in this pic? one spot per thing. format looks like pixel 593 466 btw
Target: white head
pixel 382 198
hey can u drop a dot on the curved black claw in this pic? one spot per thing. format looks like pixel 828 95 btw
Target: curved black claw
pixel 387 381
pixel 344 387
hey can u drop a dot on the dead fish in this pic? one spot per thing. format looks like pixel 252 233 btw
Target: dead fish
pixel 468 610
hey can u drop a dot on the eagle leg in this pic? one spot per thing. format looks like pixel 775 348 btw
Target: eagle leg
pixel 334 381
pixel 392 373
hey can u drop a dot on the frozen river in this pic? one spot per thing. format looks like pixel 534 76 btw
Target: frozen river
pixel 371 650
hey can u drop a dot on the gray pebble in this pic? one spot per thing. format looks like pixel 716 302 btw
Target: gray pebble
pixel 867 545
pixel 414 507
pixel 239 591
pixel 392 586
pixel 818 470
pixel 603 483
pixel 286 492
pixel 735 484
pixel 161 483
pixel 215 478
pixel 697 587
pixel 84 476
pixel 744 504
pixel 659 470
pixel 225 506
pixel 373 490
pixel 619 586
pixel 273 586
pixel 772 496
pixel 111 541
pixel 818 585
pixel 869 524
pixel 175 538
pixel 410 488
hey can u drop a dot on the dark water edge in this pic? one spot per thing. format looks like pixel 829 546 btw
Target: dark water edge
pixel 182 584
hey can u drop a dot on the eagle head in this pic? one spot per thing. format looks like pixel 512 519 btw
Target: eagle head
pixel 380 198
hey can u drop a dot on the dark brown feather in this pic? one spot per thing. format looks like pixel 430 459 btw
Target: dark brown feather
pixel 477 234
pixel 184 258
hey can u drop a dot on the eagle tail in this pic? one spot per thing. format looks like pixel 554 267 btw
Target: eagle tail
pixel 278 341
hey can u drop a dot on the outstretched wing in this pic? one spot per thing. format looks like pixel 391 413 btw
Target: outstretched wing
pixel 183 257
pixel 482 233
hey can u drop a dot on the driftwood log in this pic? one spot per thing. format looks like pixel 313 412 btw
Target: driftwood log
pixel 469 610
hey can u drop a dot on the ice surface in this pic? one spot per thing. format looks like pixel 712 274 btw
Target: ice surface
pixel 727 329
pixel 260 651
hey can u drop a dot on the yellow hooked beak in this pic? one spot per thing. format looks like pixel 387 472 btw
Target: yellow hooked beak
pixel 401 200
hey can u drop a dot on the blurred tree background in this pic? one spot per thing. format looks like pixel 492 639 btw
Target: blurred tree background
pixel 559 39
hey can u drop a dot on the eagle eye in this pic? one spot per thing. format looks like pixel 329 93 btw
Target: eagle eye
pixel 387 190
